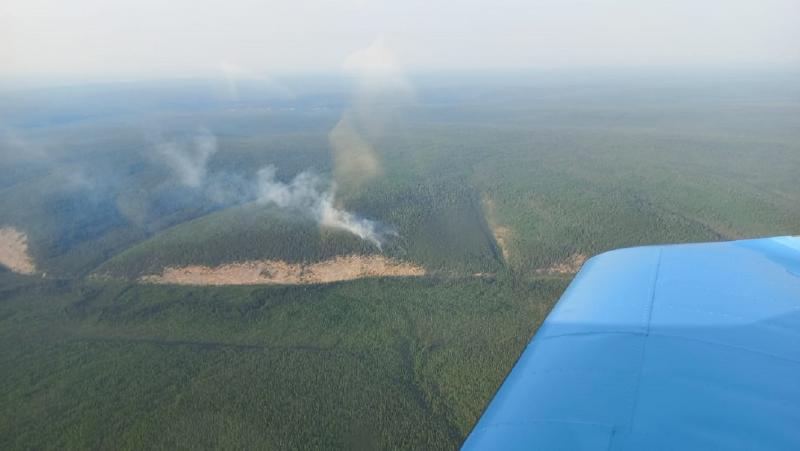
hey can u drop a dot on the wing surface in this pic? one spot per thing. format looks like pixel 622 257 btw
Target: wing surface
pixel 693 346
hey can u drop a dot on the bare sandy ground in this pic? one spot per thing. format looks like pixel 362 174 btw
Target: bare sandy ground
pixel 571 265
pixel 14 251
pixel 279 272
pixel 502 234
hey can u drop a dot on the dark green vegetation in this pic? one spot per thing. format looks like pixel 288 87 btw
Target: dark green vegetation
pixel 375 363
pixel 565 167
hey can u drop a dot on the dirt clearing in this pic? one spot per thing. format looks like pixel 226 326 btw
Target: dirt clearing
pixel 279 272
pixel 14 251
pixel 502 234
pixel 571 265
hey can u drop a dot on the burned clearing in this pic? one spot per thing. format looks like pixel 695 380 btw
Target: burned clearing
pixel 349 267
pixel 14 251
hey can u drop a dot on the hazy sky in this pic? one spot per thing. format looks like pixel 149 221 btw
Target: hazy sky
pixel 154 38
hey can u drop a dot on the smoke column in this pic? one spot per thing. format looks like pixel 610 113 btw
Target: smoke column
pixel 380 81
pixel 307 195
pixel 188 160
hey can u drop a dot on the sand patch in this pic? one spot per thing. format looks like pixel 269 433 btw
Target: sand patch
pixel 571 265
pixel 279 272
pixel 502 234
pixel 14 251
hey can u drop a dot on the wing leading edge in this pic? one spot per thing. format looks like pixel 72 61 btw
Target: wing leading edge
pixel 693 346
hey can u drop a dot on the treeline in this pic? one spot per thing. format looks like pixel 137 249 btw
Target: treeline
pixel 438 224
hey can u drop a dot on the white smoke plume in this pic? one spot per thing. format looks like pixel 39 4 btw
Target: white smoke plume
pixel 14 147
pixel 188 160
pixel 64 174
pixel 234 75
pixel 380 82
pixel 380 85
pixel 308 194
pixel 379 75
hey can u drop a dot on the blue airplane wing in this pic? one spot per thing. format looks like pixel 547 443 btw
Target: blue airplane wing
pixel 683 347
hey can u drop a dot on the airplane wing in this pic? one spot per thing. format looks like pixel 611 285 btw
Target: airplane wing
pixel 680 347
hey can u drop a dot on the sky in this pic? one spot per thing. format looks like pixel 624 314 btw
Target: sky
pixel 180 38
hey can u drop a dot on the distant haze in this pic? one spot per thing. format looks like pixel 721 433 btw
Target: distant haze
pixel 97 39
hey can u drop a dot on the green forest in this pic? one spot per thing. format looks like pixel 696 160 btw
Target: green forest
pixel 493 188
